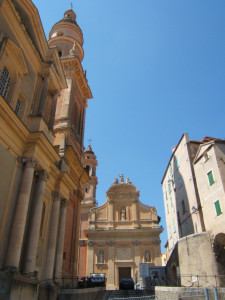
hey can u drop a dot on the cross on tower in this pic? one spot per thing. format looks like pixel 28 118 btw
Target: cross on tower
pixel 71 5
pixel 89 141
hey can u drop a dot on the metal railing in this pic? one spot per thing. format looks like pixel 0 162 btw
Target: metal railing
pixel 209 281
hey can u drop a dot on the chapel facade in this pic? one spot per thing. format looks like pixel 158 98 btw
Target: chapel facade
pixel 119 235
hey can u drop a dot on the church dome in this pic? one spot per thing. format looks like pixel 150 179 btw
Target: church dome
pixel 67 36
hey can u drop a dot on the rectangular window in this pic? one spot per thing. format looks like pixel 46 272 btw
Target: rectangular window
pixel 218 208
pixel 18 107
pixel 183 207
pixel 5 81
pixel 176 162
pixel 210 177
pixel 180 181
pixel 168 211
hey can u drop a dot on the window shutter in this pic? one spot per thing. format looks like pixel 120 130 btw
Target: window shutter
pixel 218 208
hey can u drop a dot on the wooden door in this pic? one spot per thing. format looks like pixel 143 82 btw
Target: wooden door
pixel 124 272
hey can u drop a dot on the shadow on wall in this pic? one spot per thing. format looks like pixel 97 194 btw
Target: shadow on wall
pixel 184 212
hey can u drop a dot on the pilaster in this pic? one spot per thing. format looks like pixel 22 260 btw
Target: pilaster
pixel 18 227
pixel 52 237
pixel 35 222
pixel 60 242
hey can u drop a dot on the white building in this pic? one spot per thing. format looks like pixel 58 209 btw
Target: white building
pixel 194 200
pixel 180 192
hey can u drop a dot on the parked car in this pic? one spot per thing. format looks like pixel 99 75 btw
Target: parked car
pixel 126 284
pixel 98 279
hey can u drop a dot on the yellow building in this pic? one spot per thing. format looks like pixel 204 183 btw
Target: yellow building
pixel 41 174
pixel 119 235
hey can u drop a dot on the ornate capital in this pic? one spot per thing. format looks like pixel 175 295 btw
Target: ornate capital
pixel 64 202
pixel 42 175
pixel 111 243
pixel 30 162
pixel 56 196
pixel 91 244
pixel 20 162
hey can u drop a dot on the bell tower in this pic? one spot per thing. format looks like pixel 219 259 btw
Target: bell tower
pixel 71 104
pixel 90 163
pixel 88 205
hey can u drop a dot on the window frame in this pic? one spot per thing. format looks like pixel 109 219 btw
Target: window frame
pixel 210 177
pixel 6 82
pixel 220 208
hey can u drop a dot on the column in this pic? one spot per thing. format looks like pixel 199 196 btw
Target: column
pixel 34 226
pixel 136 259
pixel 18 227
pixel 134 209
pixel 52 237
pixel 60 242
pixel 111 268
pixel 111 213
pixel 157 250
pixel 43 97
pixel 90 258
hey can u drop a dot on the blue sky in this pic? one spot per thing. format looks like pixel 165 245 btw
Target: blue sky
pixel 156 71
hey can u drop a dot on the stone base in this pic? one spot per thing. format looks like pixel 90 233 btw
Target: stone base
pixel 15 286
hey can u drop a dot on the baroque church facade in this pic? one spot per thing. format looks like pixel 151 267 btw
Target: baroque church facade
pixel 43 99
pixel 116 237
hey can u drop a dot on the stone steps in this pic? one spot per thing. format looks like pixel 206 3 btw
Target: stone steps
pixel 110 295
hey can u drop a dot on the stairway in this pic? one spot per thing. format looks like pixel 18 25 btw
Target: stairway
pixel 110 295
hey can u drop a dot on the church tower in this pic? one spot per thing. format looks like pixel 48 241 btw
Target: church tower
pixel 90 163
pixel 66 36
pixel 88 205
pixel 71 105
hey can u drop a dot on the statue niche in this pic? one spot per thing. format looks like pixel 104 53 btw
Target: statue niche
pixel 147 256
pixel 123 216
pixel 101 257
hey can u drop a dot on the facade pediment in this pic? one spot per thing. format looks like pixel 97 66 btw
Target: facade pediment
pixel 17 53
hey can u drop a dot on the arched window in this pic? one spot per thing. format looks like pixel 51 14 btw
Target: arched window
pixel 5 81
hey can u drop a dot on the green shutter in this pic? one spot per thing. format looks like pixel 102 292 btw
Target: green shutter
pixel 218 208
pixel 210 177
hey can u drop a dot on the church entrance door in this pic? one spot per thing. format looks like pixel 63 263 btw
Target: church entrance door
pixel 124 272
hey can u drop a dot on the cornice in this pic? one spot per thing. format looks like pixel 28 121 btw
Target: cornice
pixel 73 67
